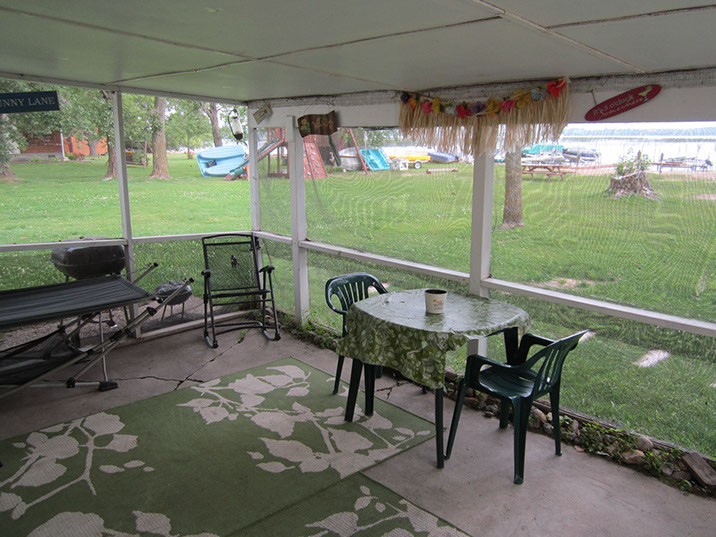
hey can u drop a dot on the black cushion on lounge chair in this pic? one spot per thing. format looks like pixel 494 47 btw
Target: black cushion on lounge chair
pixel 71 299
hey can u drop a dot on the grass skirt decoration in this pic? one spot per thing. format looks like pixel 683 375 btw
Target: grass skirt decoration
pixel 527 117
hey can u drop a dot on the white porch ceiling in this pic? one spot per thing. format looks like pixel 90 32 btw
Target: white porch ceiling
pixel 248 50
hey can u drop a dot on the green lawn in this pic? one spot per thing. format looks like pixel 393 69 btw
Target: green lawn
pixel 655 254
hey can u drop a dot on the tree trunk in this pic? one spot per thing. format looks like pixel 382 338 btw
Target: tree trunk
pixel 6 149
pixel 6 173
pixel 92 143
pixel 160 165
pixel 214 118
pixel 512 212
pixel 111 164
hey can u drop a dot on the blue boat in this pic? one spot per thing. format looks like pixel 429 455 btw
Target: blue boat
pixel 375 159
pixel 220 161
pixel 444 158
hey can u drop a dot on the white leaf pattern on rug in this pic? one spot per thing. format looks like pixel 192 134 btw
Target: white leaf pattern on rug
pixel 96 433
pixel 73 524
pixel 44 471
pixel 87 476
pixel 347 524
pixel 345 451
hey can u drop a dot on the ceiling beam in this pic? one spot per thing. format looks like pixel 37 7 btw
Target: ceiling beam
pixel 527 23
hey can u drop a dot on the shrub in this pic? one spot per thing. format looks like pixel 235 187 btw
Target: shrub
pixel 629 164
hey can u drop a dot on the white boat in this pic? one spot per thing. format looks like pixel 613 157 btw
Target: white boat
pixel 349 159
pixel 581 155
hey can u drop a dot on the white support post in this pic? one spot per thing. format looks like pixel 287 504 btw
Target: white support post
pixel 480 243
pixel 253 174
pixel 121 167
pixel 253 177
pixel 298 220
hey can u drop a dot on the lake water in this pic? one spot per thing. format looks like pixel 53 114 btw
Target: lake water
pixel 613 150
pixel 690 140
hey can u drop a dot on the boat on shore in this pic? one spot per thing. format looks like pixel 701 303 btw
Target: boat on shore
pixel 415 156
pixel 544 154
pixel 441 157
pixel 694 164
pixel 220 161
pixel 581 155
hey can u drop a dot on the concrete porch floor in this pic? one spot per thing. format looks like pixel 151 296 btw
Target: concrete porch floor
pixel 576 494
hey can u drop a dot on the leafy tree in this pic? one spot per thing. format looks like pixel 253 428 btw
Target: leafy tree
pixel 13 127
pixel 376 137
pixel 212 111
pixel 10 140
pixel 187 125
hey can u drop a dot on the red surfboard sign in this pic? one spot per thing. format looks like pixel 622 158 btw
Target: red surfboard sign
pixel 623 102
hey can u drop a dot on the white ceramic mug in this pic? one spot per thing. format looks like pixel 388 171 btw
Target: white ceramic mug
pixel 435 301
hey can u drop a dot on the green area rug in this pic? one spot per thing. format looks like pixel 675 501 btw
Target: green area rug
pixel 211 460
pixel 357 507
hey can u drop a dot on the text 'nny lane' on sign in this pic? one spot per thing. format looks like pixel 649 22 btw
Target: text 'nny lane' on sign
pixel 29 101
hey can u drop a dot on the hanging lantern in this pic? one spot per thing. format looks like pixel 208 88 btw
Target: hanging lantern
pixel 235 124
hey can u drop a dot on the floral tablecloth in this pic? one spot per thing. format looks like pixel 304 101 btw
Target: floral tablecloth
pixel 393 330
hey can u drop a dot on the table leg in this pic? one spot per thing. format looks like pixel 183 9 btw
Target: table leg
pixel 356 371
pixel 439 427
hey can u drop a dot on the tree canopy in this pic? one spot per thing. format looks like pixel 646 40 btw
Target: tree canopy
pixel 87 114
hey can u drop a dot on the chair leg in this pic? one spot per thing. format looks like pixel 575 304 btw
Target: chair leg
pixel 370 372
pixel 356 371
pixel 379 371
pixel 439 427
pixel 339 370
pixel 522 412
pixel 209 314
pixel 554 401
pixel 461 389
pixel 504 413
pixel 276 333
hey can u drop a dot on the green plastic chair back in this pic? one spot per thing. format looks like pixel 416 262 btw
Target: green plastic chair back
pixel 552 358
pixel 349 288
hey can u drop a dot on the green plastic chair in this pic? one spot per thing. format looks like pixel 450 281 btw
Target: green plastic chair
pixel 349 288
pixel 519 385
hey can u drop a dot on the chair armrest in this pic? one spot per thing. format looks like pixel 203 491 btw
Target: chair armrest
pixel 267 268
pixel 341 312
pixel 481 360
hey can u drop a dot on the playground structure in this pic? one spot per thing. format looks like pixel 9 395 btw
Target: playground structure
pixel 317 151
pixel 275 152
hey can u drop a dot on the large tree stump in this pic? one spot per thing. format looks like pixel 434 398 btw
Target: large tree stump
pixel 633 183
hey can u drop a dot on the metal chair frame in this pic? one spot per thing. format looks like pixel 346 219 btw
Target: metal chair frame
pixel 257 294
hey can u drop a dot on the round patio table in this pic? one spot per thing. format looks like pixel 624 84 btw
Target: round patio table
pixel 393 330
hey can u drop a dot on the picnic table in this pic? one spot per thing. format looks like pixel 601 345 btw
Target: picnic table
pixel 550 170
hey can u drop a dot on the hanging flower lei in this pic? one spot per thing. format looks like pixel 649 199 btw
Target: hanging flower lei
pixel 490 107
